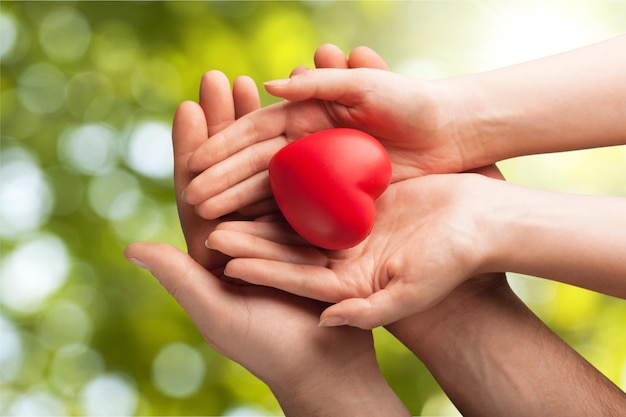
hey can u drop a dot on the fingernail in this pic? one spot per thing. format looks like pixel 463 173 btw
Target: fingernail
pixel 283 81
pixel 138 263
pixel 333 322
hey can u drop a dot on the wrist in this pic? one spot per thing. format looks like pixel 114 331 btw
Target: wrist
pixel 467 112
pixel 352 388
pixel 493 357
pixel 432 327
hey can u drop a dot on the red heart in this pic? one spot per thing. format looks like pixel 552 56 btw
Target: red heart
pixel 326 184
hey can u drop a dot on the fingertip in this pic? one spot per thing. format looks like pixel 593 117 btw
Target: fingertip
pixel 186 106
pixel 214 75
pixel 131 253
pixel 142 254
pixel 365 57
pixel 298 70
pixel 334 321
pixel 245 96
pixel 207 210
pixel 330 56
pixel 188 195
pixel 232 270
pixel 355 312
pixel 196 162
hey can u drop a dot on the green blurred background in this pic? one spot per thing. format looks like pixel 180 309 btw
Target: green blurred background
pixel 88 94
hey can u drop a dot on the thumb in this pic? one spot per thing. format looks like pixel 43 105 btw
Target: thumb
pixel 186 280
pixel 331 84
pixel 379 309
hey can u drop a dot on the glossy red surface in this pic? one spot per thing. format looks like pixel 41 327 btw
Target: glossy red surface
pixel 326 185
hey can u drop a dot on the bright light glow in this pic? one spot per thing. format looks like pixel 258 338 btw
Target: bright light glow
pixel 245 411
pixel 25 197
pixel 109 395
pixel 41 88
pixel 63 324
pixel 65 34
pixel 10 350
pixel 178 370
pixel 114 196
pixel 32 273
pixel 422 67
pixel 150 150
pixel 8 34
pixel 526 31
pixel 37 403
pixel 90 148
pixel 74 366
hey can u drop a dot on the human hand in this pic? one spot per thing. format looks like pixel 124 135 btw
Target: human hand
pixel 428 238
pixel 271 333
pixel 413 119
pixel 329 56
pixel 310 370
pixel 218 107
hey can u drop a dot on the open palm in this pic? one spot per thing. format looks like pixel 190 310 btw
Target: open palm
pixel 422 246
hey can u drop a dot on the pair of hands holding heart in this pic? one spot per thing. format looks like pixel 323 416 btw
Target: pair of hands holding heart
pixel 384 258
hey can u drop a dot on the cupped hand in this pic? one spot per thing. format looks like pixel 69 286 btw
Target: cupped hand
pixel 413 119
pixel 271 333
pixel 428 238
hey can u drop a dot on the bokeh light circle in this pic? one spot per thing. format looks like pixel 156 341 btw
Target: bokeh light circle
pixel 11 355
pixel 115 195
pixel 109 395
pixel 150 150
pixel 37 402
pixel 41 88
pixel 90 148
pixel 64 34
pixel 25 196
pixel 178 370
pixel 73 366
pixel 8 34
pixel 63 324
pixel 34 271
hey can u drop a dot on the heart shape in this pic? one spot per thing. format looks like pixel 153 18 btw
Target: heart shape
pixel 326 184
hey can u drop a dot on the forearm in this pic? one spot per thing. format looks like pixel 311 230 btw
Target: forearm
pixel 574 100
pixel 576 239
pixel 493 357
pixel 346 392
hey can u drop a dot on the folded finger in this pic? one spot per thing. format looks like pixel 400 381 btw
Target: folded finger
pixel 310 281
pixel 253 189
pixel 238 244
pixel 257 126
pixel 225 174
pixel 279 232
pixel 264 207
